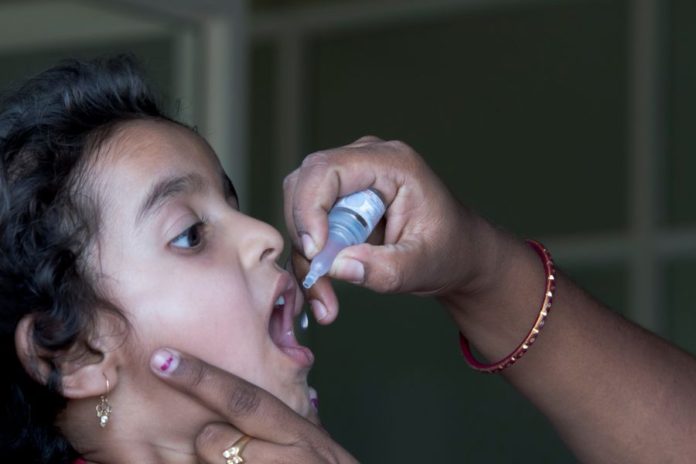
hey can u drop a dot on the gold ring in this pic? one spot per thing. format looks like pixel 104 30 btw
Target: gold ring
pixel 233 454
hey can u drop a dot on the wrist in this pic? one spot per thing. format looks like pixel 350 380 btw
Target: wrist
pixel 521 349
pixel 484 263
pixel 496 314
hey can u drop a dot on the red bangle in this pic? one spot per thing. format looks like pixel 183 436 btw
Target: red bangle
pixel 531 337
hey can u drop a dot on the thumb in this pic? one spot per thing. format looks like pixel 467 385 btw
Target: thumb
pixel 382 268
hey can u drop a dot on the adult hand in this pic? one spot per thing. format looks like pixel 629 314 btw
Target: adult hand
pixel 431 245
pixel 278 434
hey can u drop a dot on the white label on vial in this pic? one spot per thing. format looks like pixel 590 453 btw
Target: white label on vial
pixel 366 203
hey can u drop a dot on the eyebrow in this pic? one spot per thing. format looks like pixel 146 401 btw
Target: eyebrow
pixel 166 189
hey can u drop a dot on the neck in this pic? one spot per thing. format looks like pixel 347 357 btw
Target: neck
pixel 143 429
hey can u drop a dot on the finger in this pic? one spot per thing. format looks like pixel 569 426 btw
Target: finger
pixel 239 402
pixel 326 176
pixel 289 184
pixel 323 301
pixel 321 297
pixel 380 268
pixel 366 140
pixel 216 438
pixel 218 443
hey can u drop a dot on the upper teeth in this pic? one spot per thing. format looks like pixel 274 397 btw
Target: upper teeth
pixel 280 301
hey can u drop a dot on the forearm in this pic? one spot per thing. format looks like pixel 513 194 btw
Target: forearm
pixel 615 392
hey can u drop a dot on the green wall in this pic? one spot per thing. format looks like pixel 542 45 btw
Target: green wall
pixel 680 185
pixel 681 87
pixel 155 55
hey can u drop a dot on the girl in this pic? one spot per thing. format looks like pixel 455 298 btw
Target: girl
pixel 121 233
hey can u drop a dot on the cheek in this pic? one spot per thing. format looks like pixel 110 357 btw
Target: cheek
pixel 209 315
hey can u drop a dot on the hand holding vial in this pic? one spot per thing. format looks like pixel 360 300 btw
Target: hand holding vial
pixel 422 220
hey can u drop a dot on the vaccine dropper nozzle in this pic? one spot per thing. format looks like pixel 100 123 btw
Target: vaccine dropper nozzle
pixel 351 220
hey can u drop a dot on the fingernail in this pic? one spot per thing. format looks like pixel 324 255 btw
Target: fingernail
pixel 349 269
pixel 314 398
pixel 164 361
pixel 308 246
pixel 319 310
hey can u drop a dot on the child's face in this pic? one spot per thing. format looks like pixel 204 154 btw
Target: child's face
pixel 189 270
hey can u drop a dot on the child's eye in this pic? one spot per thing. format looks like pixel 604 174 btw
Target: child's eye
pixel 190 238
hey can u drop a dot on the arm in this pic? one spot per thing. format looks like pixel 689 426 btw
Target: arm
pixel 615 392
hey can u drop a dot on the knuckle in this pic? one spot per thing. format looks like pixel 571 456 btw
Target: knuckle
pixel 243 401
pixel 207 438
pixel 407 157
pixel 319 158
pixel 290 179
pixel 317 449
pixel 194 374
pixel 298 212
pixel 392 277
pixel 327 453
pixel 400 147
pixel 368 139
pixel 296 454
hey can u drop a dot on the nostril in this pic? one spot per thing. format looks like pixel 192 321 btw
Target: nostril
pixel 267 254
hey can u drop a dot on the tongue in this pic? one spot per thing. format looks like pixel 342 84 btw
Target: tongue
pixel 287 326
pixel 284 338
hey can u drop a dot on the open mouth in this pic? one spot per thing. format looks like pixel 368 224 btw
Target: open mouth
pixel 281 328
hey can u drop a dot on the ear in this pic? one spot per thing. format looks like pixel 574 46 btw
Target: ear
pixel 84 370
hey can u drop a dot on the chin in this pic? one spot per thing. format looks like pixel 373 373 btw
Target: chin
pixel 297 399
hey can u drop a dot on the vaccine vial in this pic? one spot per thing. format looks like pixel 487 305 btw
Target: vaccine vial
pixel 351 221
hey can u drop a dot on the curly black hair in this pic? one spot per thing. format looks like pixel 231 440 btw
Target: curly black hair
pixel 50 130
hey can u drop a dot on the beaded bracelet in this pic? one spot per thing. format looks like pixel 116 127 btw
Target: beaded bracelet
pixel 531 337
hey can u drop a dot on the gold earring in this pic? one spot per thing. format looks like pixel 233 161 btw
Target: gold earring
pixel 103 407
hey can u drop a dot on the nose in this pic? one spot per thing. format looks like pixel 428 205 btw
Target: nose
pixel 256 241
